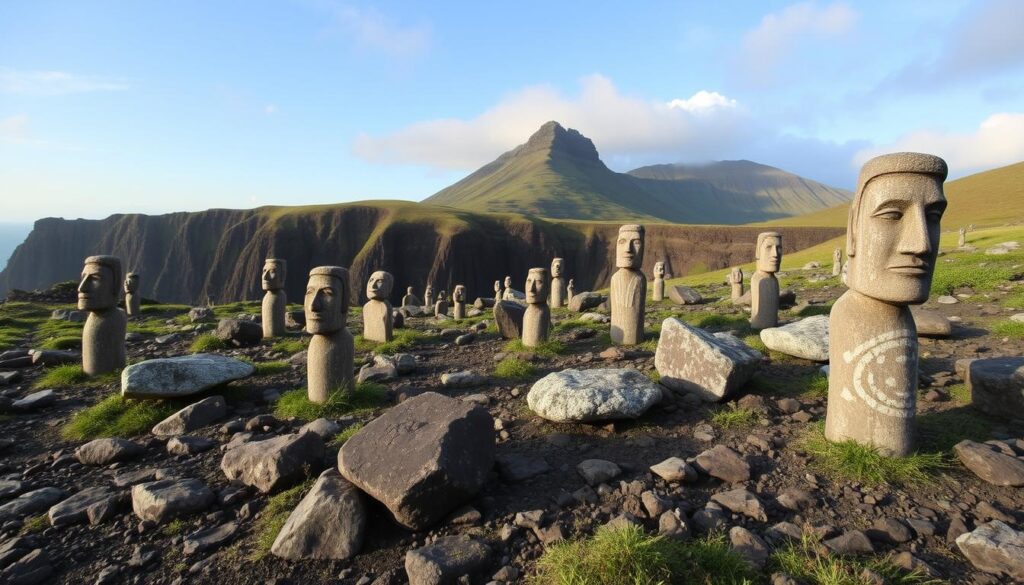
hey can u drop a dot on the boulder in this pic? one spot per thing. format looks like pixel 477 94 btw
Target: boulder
pixel 181 376
pixel 329 522
pixel 274 463
pixel 295 319
pixel 464 379
pixel 508 316
pixel 931 323
pixel 192 417
pixel 106 451
pixel 997 386
pixel 197 314
pixel 712 366
pixel 806 338
pixel 40 399
pixel 674 469
pixel 592 395
pixel 584 301
pixel 186 446
pixel 445 560
pixel 990 465
pixel 34 567
pixel 166 499
pixel 422 458
pixel 995 548
pixel 239 332
pixel 684 295
pixel 750 546
pixel 76 508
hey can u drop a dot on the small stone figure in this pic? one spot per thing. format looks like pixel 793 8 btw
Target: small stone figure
pixel 497 291
pixel 275 302
pixel 459 302
pixel 410 299
pixel 892 241
pixel 537 319
pixel 736 282
pixel 428 297
pixel 441 306
pixel 558 298
pixel 837 261
pixel 764 287
pixel 962 240
pixel 570 290
pixel 377 318
pixel 332 349
pixel 659 282
pixel 628 287
pixel 103 348
pixel 132 298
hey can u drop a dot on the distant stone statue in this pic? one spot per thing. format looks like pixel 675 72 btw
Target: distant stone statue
pixel 537 319
pixel 892 241
pixel 659 281
pixel 441 306
pixel 275 303
pixel 570 290
pixel 332 349
pixel 962 240
pixel 509 293
pixel 497 291
pixel 428 296
pixel 845 271
pixel 410 299
pixel 103 348
pixel 459 302
pixel 378 323
pixel 132 298
pixel 736 282
pixel 629 287
pixel 764 287
pixel 558 298
pixel 837 261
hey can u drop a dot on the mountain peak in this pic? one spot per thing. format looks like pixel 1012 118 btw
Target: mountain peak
pixel 553 137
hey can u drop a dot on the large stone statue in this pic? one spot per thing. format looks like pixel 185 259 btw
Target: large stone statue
pixel 537 319
pixel 377 319
pixel 410 299
pixel 837 261
pixel 132 298
pixel 659 281
pixel 275 303
pixel 428 297
pixel 558 298
pixel 331 350
pixel 441 306
pixel 459 302
pixel 892 241
pixel 103 347
pixel 570 290
pixel 736 282
pixel 629 287
pixel 764 287
pixel 962 239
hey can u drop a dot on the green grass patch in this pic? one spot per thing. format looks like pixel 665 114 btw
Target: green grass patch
pixel 959 393
pixel 116 416
pixel 653 376
pixel 754 341
pixel 717 321
pixel 340 439
pixel 403 341
pixel 35 524
pixel 233 310
pixel 812 310
pixel 68 375
pixel 547 349
pixel 732 416
pixel 63 342
pixel 617 556
pixel 975 270
pixel 1008 328
pixel 165 310
pixel 273 517
pixel 207 342
pixel 296 403
pixel 865 464
pixel 806 562
pixel 1014 300
pixel 290 346
pixel 173 528
pixel 271 368
pixel 514 369
pixel 571 324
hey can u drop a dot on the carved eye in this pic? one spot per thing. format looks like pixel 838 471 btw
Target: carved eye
pixel 890 215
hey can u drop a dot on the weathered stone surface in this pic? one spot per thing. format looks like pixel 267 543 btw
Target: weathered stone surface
pixel 181 376
pixel 210 537
pixel 931 323
pixel 684 295
pixel 166 499
pixel 447 559
pixel 192 417
pixel 743 502
pixel 31 502
pixel 995 548
pixel 75 509
pixel 239 333
pixel 508 316
pixel 806 338
pixel 329 522
pixel 35 400
pixel 464 379
pixel 749 546
pixel 104 451
pixel 326 428
pixel 196 314
pixel 997 386
pixel 713 366
pixel 274 463
pixel 69 315
pixel 723 463
pixel 852 542
pixel 674 469
pixel 585 301
pixel 597 471
pixel 423 458
pixel 184 446
pixel 30 569
pixel 990 465
pixel 377 372
pixel 590 395
pixel 54 357
pixel 10 487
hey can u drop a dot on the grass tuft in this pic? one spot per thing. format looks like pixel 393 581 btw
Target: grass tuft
pixel 62 342
pixel 207 342
pixel 403 341
pixel 514 369
pixel 1008 328
pixel 340 439
pixel 549 348
pixel 296 403
pixel 271 368
pixel 852 461
pixel 807 563
pixel 68 375
pixel 35 524
pixel 290 346
pixel 754 341
pixel 732 416
pixel 116 416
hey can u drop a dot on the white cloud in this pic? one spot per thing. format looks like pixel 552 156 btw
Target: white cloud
pixel 370 29
pixel 14 129
pixel 703 102
pixel 49 83
pixel 998 141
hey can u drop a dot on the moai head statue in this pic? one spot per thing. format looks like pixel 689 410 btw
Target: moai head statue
pixel 497 286
pixel 537 286
pixel 629 248
pixel 570 283
pixel 459 296
pixel 429 290
pixel 327 299
pixel 273 274
pixel 508 282
pixel 441 295
pixel 131 283
pixel 892 238
pixel 408 290
pixel 379 285
pixel 769 251
pixel 736 275
pixel 659 270
pixel 557 267
pixel 837 255
pixel 100 285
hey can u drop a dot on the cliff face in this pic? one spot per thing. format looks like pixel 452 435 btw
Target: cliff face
pixel 218 254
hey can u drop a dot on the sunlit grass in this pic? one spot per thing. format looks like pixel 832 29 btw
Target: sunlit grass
pixel 116 416
pixel 206 343
pixel 732 416
pixel 295 403
pixel 807 562
pixel 849 460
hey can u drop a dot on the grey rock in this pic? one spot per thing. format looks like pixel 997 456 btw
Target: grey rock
pixel 377 372
pixel 7 378
pixel 889 531
pixel 181 376
pixel 995 548
pixel 75 509
pixel 447 559
pixel 239 333
pixel 106 451
pixel 990 465
pixel 210 538
pixel 192 417
pixel 508 316
pixel 806 338
pixel 166 499
pixel 30 569
pixel 329 522
pixel 186 445
pixel 515 467
pixel 584 301
pixel 10 487
pixel 40 399
pixel 713 366
pixel 852 542
pixel 997 386
pixel 597 471
pixel 743 502
pixel 274 463
pixel 749 546
pixel 684 295
pixel 69 315
pixel 32 502
pixel 200 314
pixel 723 463
pixel 464 379
pixel 931 323
pixel 323 427
pixel 592 395
pixel 675 469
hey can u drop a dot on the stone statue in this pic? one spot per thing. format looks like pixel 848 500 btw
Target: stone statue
pixel 428 296
pixel 962 240
pixel 459 302
pixel 837 261
pixel 497 291
pixel 892 241
pixel 103 347
pixel 332 349
pixel 410 299
pixel 275 303
pixel 132 298
pixel 558 298
pixel 659 281
pixel 736 281
pixel 629 287
pixel 570 290
pixel 537 319
pixel 764 287
pixel 377 319
pixel 441 306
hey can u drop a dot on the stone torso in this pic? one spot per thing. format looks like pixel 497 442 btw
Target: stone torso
pixel 628 293
pixel 764 300
pixel 536 322
pixel 459 310
pixel 659 289
pixel 132 302
pixel 329 365
pixel 103 348
pixel 558 298
pixel 275 305
pixel 377 321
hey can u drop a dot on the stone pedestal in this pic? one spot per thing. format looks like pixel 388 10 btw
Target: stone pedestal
pixel 103 348
pixel 628 296
pixel 559 296
pixel 764 300
pixel 659 289
pixel 961 240
pixel 536 323
pixel 378 323
pixel 329 366
pixel 275 305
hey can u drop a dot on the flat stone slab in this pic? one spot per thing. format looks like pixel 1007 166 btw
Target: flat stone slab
pixel 192 417
pixel 990 465
pixel 105 451
pixel 712 366
pixel 593 395
pixel 75 509
pixel 166 499
pixel 181 376
pixel 997 386
pixel 684 295
pixel 446 559
pixel 806 338
pixel 931 323
pixel 995 548
pixel 31 502
pixel 274 463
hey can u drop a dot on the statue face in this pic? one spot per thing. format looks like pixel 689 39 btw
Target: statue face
pixel 131 284
pixel 440 295
pixel 557 267
pixel 536 286
pixel 497 286
pixel 379 285
pixel 429 290
pixel 770 255
pixel 629 250
pixel 325 304
pixel 460 294
pixel 96 290
pixel 659 269
pixel 896 238
pixel 408 291
pixel 508 282
pixel 273 276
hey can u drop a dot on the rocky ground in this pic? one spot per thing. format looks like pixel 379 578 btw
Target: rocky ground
pixel 538 493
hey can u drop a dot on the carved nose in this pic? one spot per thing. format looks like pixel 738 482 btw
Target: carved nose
pixel 915 239
pixel 317 305
pixel 81 285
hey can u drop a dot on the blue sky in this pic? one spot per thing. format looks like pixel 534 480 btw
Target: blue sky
pixel 152 107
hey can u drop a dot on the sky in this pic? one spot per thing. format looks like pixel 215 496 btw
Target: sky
pixel 153 107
